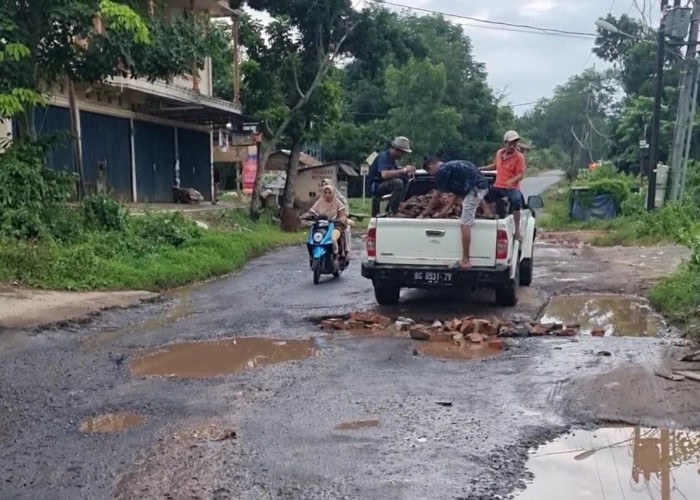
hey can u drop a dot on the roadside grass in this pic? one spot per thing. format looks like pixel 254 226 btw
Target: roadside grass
pixel 678 298
pixel 154 252
pixel 621 231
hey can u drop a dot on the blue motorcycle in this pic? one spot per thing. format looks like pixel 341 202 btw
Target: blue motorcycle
pixel 322 258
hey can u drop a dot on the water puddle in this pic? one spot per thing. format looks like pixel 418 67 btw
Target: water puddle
pixel 448 350
pixel 111 423
pixel 624 463
pixel 616 315
pixel 357 425
pixel 223 357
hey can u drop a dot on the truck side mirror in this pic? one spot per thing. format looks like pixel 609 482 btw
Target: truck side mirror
pixel 535 201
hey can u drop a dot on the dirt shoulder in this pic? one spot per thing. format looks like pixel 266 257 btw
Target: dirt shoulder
pixel 22 308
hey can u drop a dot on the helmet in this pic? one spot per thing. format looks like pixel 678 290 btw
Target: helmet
pixel 402 144
pixel 511 136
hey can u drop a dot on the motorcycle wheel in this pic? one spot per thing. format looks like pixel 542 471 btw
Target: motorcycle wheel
pixel 316 267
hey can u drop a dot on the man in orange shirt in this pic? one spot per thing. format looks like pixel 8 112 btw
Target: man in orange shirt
pixel 510 170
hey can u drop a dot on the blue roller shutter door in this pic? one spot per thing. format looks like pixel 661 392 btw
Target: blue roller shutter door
pixel 154 146
pixel 106 140
pixel 195 160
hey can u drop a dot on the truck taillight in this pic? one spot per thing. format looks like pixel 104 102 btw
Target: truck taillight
pixel 372 242
pixel 501 245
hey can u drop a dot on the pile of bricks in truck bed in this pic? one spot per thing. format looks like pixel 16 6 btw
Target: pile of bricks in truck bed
pixel 468 329
pixel 415 206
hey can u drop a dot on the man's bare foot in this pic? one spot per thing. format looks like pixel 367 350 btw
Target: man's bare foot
pixel 518 236
pixel 464 264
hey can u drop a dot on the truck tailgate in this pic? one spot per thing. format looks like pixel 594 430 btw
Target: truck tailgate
pixel 433 242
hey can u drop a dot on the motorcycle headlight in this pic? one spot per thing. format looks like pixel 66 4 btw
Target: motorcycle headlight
pixel 318 237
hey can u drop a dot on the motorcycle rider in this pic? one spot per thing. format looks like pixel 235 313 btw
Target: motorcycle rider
pixel 330 206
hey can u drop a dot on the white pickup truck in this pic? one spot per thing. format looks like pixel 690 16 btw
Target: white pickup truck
pixel 421 253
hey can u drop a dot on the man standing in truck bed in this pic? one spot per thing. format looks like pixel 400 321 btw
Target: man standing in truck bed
pixel 466 184
pixel 510 170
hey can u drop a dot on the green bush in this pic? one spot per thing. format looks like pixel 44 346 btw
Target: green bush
pixel 102 212
pixel 29 190
pixel 166 229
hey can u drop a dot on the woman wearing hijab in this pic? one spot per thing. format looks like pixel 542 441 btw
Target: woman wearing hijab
pixel 338 194
pixel 330 206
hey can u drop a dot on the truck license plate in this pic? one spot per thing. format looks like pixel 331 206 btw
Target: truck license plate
pixel 433 277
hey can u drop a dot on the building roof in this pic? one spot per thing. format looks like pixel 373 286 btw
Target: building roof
pixel 345 166
pixel 181 104
pixel 308 162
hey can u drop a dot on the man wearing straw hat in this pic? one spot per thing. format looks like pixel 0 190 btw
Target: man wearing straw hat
pixel 387 176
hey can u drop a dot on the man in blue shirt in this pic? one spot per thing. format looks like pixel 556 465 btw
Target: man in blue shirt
pixel 386 176
pixel 465 182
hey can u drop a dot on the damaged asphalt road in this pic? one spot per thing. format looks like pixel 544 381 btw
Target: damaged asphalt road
pixel 344 416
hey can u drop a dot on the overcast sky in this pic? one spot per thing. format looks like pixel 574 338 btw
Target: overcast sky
pixel 529 66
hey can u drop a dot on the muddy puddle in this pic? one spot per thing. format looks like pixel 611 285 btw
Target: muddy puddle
pixel 448 350
pixel 224 357
pixel 617 315
pixel 357 425
pixel 624 463
pixel 111 423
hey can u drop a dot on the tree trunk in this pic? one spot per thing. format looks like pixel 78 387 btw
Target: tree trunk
pixel 290 216
pixel 255 202
pixel 26 124
pixel 292 171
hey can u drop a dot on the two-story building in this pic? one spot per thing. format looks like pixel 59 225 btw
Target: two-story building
pixel 139 138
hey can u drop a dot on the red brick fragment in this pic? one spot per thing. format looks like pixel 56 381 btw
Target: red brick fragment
pixel 497 344
pixel 598 333
pixel 475 338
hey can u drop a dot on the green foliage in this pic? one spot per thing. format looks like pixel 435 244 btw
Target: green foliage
pixel 607 180
pixel 122 17
pixel 29 191
pixel 416 93
pixel 88 40
pixel 153 252
pixel 574 120
pixel 546 159
pixel 103 213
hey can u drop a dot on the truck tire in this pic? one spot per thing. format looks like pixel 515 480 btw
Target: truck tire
pixel 386 295
pixel 507 295
pixel 526 266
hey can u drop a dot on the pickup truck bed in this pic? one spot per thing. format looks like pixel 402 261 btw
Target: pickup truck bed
pixel 422 253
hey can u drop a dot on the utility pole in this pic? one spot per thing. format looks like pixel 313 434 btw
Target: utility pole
pixel 685 117
pixel 656 124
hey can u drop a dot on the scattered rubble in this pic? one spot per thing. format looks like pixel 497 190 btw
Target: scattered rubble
pixel 468 329
pixel 457 332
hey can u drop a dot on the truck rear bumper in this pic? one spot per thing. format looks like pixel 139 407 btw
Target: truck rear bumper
pixel 415 276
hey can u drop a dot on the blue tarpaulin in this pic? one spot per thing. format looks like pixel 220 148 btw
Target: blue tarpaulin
pixel 602 207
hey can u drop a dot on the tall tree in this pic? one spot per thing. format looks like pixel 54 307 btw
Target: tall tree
pixel 305 40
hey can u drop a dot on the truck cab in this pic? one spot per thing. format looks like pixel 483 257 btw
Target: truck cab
pixel 422 253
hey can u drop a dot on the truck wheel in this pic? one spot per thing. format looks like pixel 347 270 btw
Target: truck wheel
pixel 526 267
pixel 507 296
pixel 387 295
pixel 316 266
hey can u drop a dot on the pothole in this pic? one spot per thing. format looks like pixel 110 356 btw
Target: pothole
pixel 357 425
pixel 223 357
pixel 612 314
pixel 111 423
pixel 624 463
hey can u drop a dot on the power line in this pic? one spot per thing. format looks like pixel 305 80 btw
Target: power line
pixel 542 30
